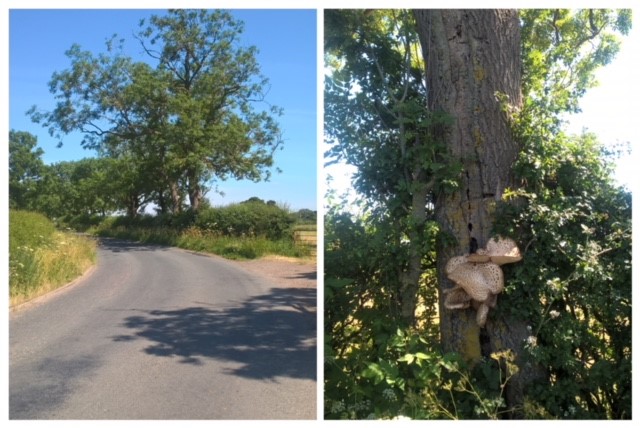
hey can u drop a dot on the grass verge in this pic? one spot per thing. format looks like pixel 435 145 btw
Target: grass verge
pixel 235 248
pixel 42 259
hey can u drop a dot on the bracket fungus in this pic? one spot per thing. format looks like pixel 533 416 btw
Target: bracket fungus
pixel 479 278
pixel 503 251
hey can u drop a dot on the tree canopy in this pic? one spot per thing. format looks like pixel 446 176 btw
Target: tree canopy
pixel 25 167
pixel 192 112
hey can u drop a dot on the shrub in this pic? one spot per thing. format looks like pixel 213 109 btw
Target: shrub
pixel 246 219
pixel 249 229
pixel 574 286
pixel 80 222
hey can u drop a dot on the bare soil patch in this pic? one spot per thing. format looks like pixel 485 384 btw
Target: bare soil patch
pixel 284 271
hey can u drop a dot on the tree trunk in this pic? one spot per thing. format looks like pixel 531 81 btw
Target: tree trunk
pixel 133 205
pixel 195 194
pixel 471 56
pixel 176 199
pixel 162 201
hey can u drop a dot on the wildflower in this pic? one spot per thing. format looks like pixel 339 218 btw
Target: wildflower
pixel 360 406
pixel 554 314
pixel 337 406
pixel 532 340
pixel 389 394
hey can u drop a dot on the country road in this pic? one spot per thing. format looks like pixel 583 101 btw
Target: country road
pixel 161 333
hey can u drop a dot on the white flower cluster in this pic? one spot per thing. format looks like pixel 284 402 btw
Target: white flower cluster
pixel 389 395
pixel 340 406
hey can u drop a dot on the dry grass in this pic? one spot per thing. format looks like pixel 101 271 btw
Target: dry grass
pixel 60 261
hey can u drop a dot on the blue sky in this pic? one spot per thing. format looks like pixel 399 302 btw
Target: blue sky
pixel 286 40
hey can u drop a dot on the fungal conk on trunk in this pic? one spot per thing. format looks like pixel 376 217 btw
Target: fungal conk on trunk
pixel 478 277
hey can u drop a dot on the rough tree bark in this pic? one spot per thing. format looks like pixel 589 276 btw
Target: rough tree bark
pixel 471 55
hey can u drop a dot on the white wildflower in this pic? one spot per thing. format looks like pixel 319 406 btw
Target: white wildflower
pixel 360 405
pixel 389 394
pixel 337 407
pixel 554 314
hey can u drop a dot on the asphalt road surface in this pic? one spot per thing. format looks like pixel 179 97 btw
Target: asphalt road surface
pixel 161 333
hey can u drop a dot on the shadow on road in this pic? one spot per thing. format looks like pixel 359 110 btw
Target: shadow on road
pixel 268 336
pixel 304 275
pixel 119 245
pixel 56 381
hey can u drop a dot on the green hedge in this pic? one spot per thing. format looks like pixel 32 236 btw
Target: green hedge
pixel 246 219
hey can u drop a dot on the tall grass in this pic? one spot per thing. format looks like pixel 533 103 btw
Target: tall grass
pixel 41 258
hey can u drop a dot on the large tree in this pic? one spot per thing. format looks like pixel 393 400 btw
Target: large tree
pixel 474 72
pixel 190 112
pixel 474 62
pixel 488 156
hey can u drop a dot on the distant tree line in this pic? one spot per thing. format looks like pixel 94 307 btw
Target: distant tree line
pixel 88 187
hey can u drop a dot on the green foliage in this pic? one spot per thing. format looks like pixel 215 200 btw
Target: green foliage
pixel 75 190
pixel 573 222
pixel 562 48
pixel 247 219
pixel 376 119
pixel 80 222
pixel 191 113
pixel 195 239
pixel 376 366
pixel 28 229
pixel 250 229
pixel 375 107
pixel 574 285
pixel 306 216
pixel 28 232
pixel 364 253
pixel 25 168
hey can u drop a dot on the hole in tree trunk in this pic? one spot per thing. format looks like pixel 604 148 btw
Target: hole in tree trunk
pixel 473 246
pixel 485 343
